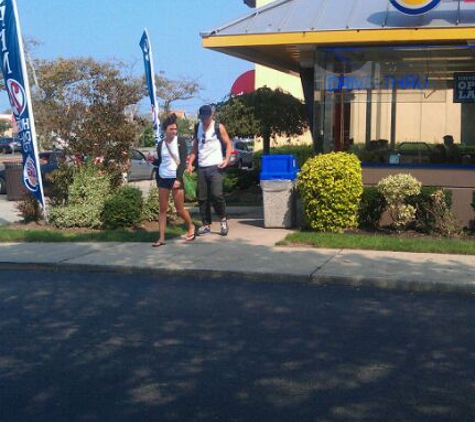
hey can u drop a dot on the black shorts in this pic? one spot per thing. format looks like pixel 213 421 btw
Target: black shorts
pixel 166 183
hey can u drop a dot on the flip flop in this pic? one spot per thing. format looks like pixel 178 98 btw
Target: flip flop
pixel 157 244
pixel 190 237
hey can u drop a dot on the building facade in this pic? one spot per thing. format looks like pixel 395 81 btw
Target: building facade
pixel 393 80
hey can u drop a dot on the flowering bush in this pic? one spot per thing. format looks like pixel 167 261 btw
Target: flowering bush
pixel 396 190
pixel 89 190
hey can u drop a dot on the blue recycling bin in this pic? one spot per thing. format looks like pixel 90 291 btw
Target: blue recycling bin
pixel 277 177
pixel 279 167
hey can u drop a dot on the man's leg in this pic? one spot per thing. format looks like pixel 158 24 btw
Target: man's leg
pixel 203 201
pixel 219 203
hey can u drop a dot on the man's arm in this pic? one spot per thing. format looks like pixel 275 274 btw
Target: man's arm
pixel 229 147
pixel 192 157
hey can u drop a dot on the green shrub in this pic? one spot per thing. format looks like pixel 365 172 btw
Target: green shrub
pixel 151 206
pixel 396 189
pixel 230 182
pixel 76 215
pixel 123 208
pixel 29 208
pixel 59 181
pixel 301 152
pixel 330 187
pixel 433 214
pixel 372 206
pixel 86 195
pixel 239 179
pixel 423 203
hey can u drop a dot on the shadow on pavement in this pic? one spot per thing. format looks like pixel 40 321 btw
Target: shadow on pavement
pixel 102 347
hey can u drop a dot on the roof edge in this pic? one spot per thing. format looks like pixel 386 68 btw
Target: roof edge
pixel 351 36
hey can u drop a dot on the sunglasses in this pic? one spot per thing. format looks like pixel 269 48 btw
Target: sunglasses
pixel 203 139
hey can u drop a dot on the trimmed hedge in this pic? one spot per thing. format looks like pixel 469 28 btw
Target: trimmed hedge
pixel 330 187
pixel 123 208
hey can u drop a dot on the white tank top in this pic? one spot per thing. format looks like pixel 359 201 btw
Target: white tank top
pixel 168 166
pixel 209 151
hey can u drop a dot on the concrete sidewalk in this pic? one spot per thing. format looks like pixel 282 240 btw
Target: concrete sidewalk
pixel 8 211
pixel 249 252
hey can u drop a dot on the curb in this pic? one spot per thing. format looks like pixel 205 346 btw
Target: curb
pixel 197 274
pixel 207 275
pixel 407 285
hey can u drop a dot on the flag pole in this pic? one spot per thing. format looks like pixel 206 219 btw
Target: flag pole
pixel 31 122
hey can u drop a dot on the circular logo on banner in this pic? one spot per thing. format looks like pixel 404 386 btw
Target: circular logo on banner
pixel 414 7
pixel 17 97
pixel 30 176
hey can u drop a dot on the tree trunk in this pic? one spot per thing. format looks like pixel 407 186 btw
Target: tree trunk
pixel 266 143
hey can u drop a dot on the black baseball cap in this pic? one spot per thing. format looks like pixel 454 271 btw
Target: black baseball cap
pixel 205 111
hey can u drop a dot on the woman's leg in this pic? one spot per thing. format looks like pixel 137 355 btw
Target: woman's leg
pixel 179 198
pixel 163 197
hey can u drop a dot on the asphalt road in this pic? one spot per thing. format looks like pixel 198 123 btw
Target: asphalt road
pixel 118 347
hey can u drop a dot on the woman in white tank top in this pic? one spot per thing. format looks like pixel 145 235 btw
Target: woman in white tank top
pixel 171 163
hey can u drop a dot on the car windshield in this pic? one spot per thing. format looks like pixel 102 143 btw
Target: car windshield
pixel 137 155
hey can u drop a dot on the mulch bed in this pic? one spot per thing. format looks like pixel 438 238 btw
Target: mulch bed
pixel 148 226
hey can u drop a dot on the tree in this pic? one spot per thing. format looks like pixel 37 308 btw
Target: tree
pixel 170 90
pixel 265 112
pixel 147 138
pixel 238 117
pixel 84 103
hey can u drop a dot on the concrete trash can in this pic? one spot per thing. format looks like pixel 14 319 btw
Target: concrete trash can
pixel 14 181
pixel 279 203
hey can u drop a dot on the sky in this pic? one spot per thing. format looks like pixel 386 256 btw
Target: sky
pixel 111 29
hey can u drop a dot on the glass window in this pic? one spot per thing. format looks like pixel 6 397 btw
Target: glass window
pixel 397 101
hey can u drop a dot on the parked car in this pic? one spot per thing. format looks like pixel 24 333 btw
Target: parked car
pixel 140 167
pixel 414 153
pixel 9 145
pixel 49 161
pixel 241 155
pixel 3 181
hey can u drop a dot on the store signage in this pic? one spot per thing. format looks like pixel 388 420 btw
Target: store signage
pixel 389 82
pixel 414 7
pixel 464 87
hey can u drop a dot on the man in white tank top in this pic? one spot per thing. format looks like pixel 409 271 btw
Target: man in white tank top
pixel 208 149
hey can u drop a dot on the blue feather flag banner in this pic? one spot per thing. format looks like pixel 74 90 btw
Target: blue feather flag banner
pixel 150 78
pixel 18 88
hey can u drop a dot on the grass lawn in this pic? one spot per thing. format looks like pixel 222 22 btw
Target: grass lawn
pixel 382 242
pixel 47 234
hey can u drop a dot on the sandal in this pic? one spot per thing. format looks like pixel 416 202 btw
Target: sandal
pixel 157 244
pixel 190 237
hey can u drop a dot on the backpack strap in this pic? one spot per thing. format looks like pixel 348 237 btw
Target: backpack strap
pixel 217 130
pixel 196 131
